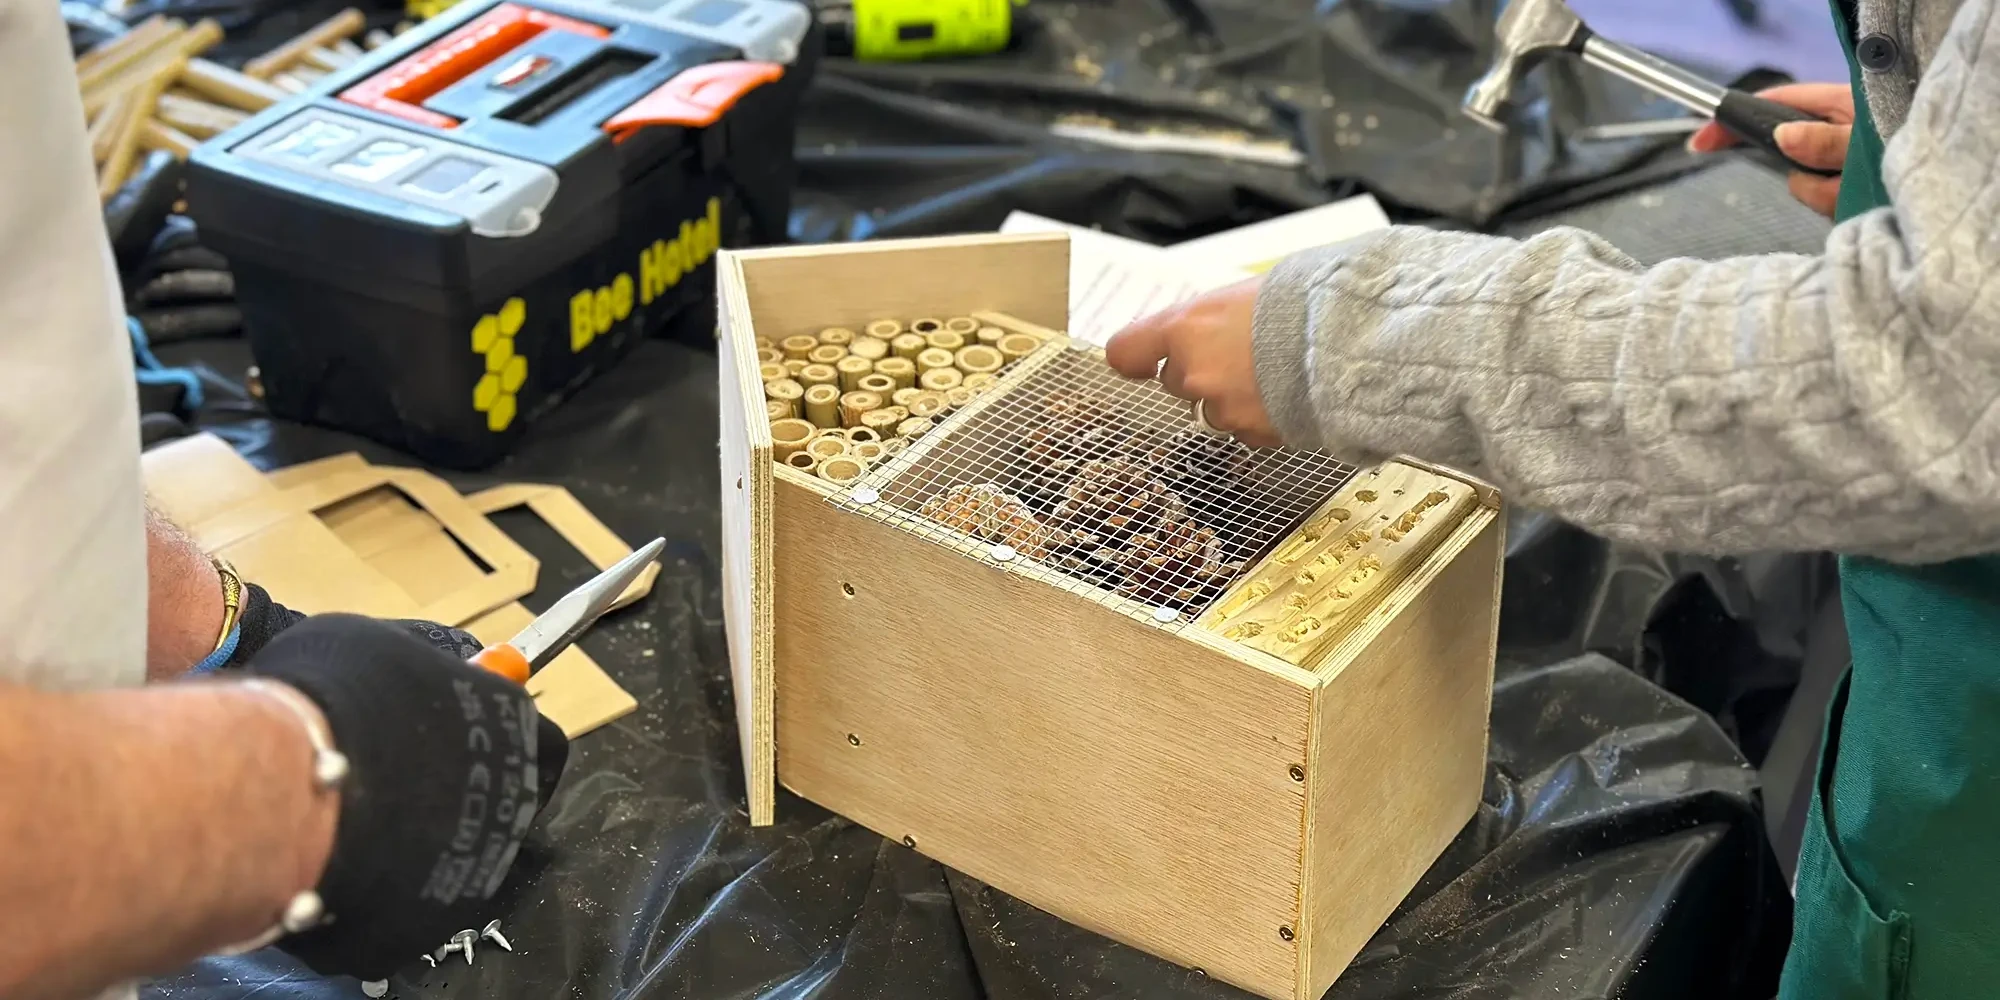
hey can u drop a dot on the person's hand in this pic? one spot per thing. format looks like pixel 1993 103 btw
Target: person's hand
pixel 1205 344
pixel 260 619
pixel 448 767
pixel 1821 145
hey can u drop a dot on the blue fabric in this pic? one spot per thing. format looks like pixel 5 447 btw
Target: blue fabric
pixel 150 371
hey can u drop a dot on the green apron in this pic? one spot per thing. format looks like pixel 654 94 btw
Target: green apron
pixel 1899 875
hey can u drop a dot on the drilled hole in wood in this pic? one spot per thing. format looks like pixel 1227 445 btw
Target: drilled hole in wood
pixel 847 589
pixel 1298 773
pixel 1286 933
pixel 739 482
pixel 853 740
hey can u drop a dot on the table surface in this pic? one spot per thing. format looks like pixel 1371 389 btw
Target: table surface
pixel 1618 850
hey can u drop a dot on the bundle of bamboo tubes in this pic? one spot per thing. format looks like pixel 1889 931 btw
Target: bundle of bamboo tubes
pixel 149 89
pixel 867 395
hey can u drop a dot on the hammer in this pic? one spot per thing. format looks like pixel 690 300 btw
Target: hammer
pixel 1530 29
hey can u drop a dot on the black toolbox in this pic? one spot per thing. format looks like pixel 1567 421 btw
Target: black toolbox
pixel 436 245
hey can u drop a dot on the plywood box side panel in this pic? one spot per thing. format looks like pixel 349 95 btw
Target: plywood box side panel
pixel 805 289
pixel 1102 769
pixel 746 542
pixel 1399 750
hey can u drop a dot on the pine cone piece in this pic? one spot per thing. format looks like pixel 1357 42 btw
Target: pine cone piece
pixel 1070 429
pixel 1181 563
pixel 1194 462
pixel 1115 499
pixel 991 514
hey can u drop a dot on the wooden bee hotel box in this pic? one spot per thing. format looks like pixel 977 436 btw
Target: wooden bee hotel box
pixel 1000 605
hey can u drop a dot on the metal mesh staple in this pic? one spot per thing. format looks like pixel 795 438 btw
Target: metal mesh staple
pixel 1107 482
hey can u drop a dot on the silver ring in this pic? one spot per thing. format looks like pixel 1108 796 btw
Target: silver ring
pixel 1200 419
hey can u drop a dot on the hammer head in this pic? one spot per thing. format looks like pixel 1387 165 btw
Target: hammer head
pixel 1528 30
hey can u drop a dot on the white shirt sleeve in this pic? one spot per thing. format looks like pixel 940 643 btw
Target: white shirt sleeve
pixel 73 586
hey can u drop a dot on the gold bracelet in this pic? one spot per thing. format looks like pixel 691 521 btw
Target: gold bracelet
pixel 232 599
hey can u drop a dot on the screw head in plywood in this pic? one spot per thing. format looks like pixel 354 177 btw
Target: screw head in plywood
pixel 1285 933
pixel 853 740
pixel 1298 773
pixel 847 589
pixel 909 842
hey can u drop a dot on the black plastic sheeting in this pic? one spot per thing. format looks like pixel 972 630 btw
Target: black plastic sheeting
pixel 1619 849
pixel 1368 90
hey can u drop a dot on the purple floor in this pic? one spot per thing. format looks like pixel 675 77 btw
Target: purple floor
pixel 1795 36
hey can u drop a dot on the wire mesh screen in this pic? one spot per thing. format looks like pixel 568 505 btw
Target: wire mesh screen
pixel 1107 482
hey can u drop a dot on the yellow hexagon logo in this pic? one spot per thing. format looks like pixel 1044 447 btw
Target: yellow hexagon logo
pixel 506 370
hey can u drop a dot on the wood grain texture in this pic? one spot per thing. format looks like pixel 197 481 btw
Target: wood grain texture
pixel 1398 752
pixel 1106 770
pixel 801 290
pixel 746 539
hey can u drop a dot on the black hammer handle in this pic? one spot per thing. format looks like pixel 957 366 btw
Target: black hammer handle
pixel 1756 120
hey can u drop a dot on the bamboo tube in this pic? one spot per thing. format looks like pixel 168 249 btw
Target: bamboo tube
pixel 852 369
pixel 794 367
pixel 908 345
pixel 839 336
pixel 822 404
pixel 288 83
pixel 893 447
pixel 769 356
pixel 785 391
pixel 901 371
pixel 143 35
pixel 976 360
pixel 869 452
pixel 305 74
pixel 789 436
pixel 964 326
pixel 229 88
pixel 914 426
pixel 861 435
pixel 197 118
pixel 926 326
pixel 764 343
pixel 324 58
pixel 825 447
pixel 118 165
pixel 812 375
pixel 945 339
pixel 155 35
pixel 959 396
pixel 902 397
pixel 928 403
pixel 854 404
pixel 1016 346
pixel 797 347
pixel 843 470
pixel 775 410
pixel 872 348
pixel 804 461
pixel 990 335
pixel 772 372
pixel 826 354
pixel 877 383
pixel 157 135
pixel 172 56
pixel 941 379
pixel 932 359
pixel 345 24
pixel 981 381
pixel 884 421
pixel 883 329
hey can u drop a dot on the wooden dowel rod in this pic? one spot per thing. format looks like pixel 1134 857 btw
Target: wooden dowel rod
pixel 197 118
pixel 135 47
pixel 184 47
pixel 159 135
pixel 118 165
pixel 148 32
pixel 227 87
pixel 345 24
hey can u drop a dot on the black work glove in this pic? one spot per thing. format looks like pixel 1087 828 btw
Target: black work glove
pixel 259 619
pixel 448 766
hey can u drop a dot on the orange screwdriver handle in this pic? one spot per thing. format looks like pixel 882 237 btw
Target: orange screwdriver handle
pixel 505 660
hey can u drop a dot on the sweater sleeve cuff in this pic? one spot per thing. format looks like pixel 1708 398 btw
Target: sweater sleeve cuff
pixel 1281 338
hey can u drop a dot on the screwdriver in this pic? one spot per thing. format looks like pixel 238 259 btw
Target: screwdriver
pixel 555 629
